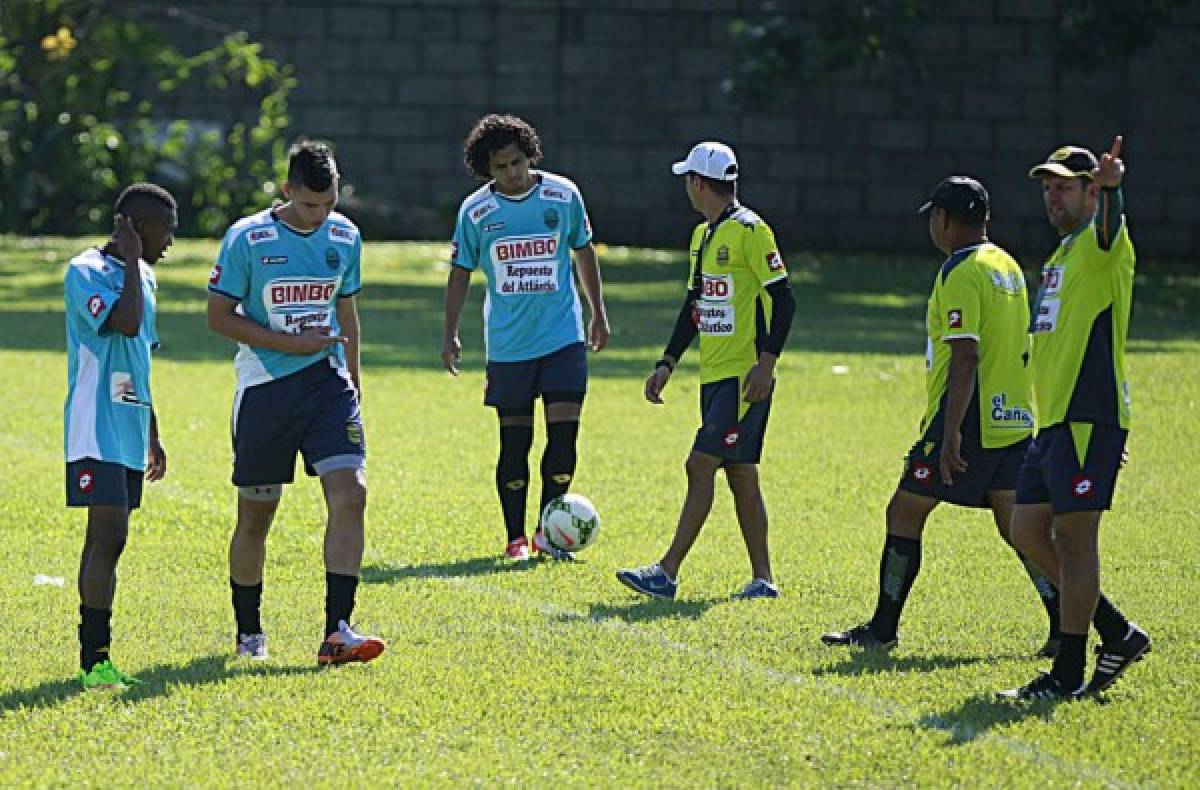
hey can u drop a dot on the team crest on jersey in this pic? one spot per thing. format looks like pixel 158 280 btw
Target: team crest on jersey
pixel 332 259
pixel 551 218
pixel 214 276
pixel 260 235
pixel 723 254
pixel 954 318
pixel 483 209
pixel 341 235
pixel 556 194
pixel 774 261
pixel 96 305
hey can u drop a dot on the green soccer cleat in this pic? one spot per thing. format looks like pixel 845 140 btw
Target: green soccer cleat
pixel 105 677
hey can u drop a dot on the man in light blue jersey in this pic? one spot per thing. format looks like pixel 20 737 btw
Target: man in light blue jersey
pixel 521 228
pixel 284 288
pixel 110 429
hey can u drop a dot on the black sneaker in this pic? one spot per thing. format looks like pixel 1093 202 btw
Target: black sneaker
pixel 1044 687
pixel 1051 648
pixel 1112 660
pixel 858 636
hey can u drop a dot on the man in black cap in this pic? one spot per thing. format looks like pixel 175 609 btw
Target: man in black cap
pixel 978 415
pixel 1067 480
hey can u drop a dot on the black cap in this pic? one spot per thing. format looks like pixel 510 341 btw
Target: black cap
pixel 1070 161
pixel 960 196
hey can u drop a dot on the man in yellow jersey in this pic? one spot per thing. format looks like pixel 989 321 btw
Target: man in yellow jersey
pixel 1081 319
pixel 740 304
pixel 978 415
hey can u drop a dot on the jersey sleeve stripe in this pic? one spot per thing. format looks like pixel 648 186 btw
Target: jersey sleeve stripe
pixel 215 290
pixel 961 336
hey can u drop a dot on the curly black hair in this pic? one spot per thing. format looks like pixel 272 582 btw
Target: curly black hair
pixel 493 132
pixel 143 198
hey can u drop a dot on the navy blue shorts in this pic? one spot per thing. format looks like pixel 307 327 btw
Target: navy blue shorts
pixel 103 483
pixel 1073 466
pixel 988 469
pixel 730 428
pixel 516 385
pixel 313 411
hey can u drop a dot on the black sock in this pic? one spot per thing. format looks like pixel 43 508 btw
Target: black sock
pixel 512 476
pixel 898 568
pixel 558 461
pixel 1046 591
pixel 1070 661
pixel 1109 621
pixel 339 599
pixel 247 600
pixel 95 634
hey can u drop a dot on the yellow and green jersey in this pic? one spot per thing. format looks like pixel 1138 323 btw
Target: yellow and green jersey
pixel 736 260
pixel 979 293
pixel 1081 321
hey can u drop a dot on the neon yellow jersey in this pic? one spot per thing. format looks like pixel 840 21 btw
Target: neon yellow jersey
pixel 737 263
pixel 980 293
pixel 1081 322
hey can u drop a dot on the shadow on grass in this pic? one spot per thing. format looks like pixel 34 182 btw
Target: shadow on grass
pixel 156 682
pixel 866 662
pixel 476 566
pixel 652 609
pixel 975 716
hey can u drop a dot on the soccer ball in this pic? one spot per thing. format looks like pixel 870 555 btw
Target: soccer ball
pixel 570 522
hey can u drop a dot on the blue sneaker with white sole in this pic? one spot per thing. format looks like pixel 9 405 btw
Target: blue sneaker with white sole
pixel 757 588
pixel 649 580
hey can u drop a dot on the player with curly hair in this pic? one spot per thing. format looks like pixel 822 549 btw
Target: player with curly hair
pixel 528 230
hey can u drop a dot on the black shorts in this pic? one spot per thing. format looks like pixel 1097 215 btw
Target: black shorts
pixel 516 385
pixel 103 483
pixel 1073 466
pixel 313 411
pixel 730 428
pixel 988 469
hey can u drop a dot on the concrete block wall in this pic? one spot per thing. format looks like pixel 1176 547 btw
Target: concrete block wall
pixel 620 88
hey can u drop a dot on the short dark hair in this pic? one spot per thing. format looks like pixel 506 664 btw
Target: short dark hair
pixel 142 199
pixel 311 164
pixel 722 188
pixel 493 132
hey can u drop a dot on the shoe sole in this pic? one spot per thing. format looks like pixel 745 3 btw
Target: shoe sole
pixel 648 593
pixel 367 651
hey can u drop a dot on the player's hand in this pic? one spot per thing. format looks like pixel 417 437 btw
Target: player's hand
pixel 313 340
pixel 598 333
pixel 1111 169
pixel 951 457
pixel 759 381
pixel 1124 457
pixel 156 466
pixel 656 382
pixel 452 354
pixel 129 243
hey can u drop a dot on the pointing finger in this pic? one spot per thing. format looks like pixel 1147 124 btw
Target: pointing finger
pixel 1116 146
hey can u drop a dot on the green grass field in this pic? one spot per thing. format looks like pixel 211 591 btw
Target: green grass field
pixel 557 675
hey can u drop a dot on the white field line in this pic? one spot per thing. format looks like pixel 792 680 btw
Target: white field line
pixel 888 710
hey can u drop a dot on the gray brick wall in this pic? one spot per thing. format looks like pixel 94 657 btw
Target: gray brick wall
pixel 620 88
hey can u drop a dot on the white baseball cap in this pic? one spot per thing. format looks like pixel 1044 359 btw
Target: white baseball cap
pixel 711 160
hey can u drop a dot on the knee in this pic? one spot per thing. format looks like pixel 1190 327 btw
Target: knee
pixel 741 477
pixel 350 499
pixel 904 520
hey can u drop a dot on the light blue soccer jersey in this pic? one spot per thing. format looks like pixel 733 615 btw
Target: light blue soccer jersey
pixel 524 245
pixel 286 280
pixel 107 413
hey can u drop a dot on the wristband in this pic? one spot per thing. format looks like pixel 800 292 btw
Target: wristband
pixel 664 363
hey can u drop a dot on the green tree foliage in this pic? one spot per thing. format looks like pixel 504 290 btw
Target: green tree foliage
pixel 79 86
